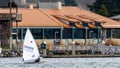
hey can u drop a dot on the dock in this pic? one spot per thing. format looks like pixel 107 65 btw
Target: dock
pixel 83 52
pixel 67 52
pixel 81 56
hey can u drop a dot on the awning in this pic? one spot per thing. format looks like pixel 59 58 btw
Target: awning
pixel 92 25
pixel 79 18
pixel 91 18
pixel 79 25
pixel 66 18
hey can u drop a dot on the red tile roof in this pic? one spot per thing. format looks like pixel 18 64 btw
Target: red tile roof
pixel 85 14
pixel 47 17
pixel 35 18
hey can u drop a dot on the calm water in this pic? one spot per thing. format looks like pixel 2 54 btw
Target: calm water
pixel 62 63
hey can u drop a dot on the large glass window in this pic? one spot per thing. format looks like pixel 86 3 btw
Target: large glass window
pixel 79 33
pixel 52 33
pixel 116 33
pixel 93 33
pixel 24 31
pixel 67 33
pixel 108 33
pixel 19 33
pixel 37 33
pixel 48 34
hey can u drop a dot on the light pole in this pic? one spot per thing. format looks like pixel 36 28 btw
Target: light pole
pixel 55 37
pixel 86 32
pixel 90 33
pixel 55 34
pixel 73 42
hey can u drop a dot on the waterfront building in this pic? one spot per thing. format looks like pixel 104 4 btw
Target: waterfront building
pixel 64 23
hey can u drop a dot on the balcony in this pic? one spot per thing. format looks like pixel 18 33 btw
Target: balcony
pixel 13 17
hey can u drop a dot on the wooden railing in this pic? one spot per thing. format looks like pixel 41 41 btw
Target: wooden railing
pixel 8 16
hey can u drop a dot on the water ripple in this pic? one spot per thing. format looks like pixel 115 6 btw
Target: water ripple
pixel 62 63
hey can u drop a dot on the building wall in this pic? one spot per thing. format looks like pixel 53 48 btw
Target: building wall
pixel 79 37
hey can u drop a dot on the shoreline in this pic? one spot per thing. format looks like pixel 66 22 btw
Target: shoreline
pixel 70 56
pixel 81 56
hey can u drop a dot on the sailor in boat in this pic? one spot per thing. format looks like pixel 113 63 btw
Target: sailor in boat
pixel 37 60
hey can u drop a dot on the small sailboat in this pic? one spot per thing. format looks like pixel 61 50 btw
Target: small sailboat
pixel 30 49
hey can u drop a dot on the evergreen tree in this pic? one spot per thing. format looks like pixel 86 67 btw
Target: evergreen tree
pixel 103 11
pixel 106 7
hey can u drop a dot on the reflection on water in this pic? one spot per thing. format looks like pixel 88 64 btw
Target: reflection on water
pixel 62 63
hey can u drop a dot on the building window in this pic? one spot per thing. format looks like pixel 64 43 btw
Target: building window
pixel 52 33
pixel 115 33
pixel 108 33
pixel 67 33
pixel 37 33
pixel 79 33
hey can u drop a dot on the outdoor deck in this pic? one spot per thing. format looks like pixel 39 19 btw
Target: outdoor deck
pixel 84 51
pixel 97 48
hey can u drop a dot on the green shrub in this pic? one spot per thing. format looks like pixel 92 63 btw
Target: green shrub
pixel 6 47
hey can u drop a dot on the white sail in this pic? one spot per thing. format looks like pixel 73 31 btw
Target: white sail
pixel 30 49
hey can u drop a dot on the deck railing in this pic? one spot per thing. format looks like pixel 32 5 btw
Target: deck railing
pixel 98 48
pixel 7 16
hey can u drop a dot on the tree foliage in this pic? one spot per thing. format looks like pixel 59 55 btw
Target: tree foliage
pixel 70 3
pixel 106 7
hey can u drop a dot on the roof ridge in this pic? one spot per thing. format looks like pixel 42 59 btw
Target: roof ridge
pixel 50 17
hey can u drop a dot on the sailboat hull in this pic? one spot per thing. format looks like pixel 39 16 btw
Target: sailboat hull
pixel 32 61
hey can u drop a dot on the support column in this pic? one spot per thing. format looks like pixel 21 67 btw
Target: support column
pixel 103 41
pixel 10 4
pixel 104 33
pixel 44 49
pixel 103 47
pixel 99 32
pixel 111 33
pixel 44 52
pixel 73 33
pixel 73 48
pixel 61 33
pixel 43 35
pixel 86 31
